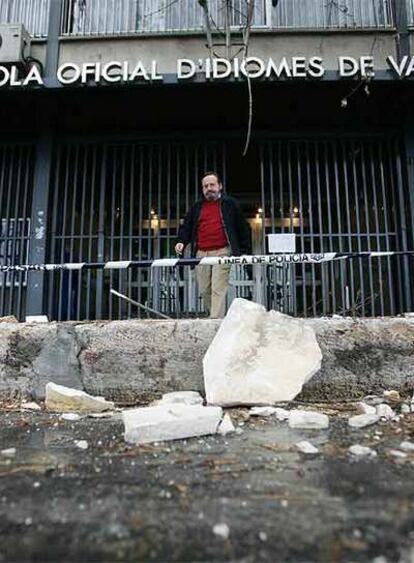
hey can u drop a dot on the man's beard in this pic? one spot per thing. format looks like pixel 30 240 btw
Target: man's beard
pixel 212 196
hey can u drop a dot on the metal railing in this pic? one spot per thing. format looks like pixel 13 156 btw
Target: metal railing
pixel 410 12
pixel 328 14
pixel 113 17
pixel 33 14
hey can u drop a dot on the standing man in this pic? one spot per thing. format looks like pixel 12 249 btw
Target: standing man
pixel 214 226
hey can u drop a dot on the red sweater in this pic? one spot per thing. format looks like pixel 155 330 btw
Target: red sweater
pixel 210 233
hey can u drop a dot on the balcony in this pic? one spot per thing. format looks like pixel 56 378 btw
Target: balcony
pixel 126 17
pixel 109 17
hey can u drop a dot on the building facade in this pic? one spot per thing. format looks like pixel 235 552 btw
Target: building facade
pixel 101 158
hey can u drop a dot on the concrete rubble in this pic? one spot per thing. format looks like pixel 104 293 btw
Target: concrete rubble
pixel 63 399
pixel 239 365
pixel 279 413
pixel 8 452
pixel 180 398
pixel 226 426
pixel 397 454
pixel 308 420
pixel 362 451
pixel 306 447
pixel 363 420
pixel 170 422
pixel 385 411
pixel 221 530
pixel 407 446
pixel 364 408
pixel 81 444
pixel 71 416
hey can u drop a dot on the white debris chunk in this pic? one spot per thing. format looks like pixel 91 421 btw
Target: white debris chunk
pixel 262 411
pixel 8 452
pixel 392 396
pixel 282 414
pixel 30 406
pixel 308 420
pixel 362 451
pixel 363 408
pixel 397 453
pixel 170 422
pixel 385 411
pixel 240 367
pixel 407 446
pixel 81 444
pixel 64 399
pixel 226 426
pixel 181 398
pixel 221 530
pixel 72 416
pixel 306 447
pixel 405 409
pixel 362 420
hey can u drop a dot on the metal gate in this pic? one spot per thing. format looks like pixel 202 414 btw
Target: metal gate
pixel 16 185
pixel 337 195
pixel 124 201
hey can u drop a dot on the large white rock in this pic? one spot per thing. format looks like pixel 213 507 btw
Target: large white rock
pixel 170 422
pixel 65 399
pixel 259 357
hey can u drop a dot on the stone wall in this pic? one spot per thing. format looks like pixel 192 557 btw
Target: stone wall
pixel 133 361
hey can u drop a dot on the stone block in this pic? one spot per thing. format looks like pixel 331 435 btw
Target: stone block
pixel 170 422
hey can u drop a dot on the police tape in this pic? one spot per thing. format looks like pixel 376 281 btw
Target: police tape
pixel 266 259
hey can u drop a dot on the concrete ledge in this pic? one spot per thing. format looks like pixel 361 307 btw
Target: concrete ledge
pixel 134 361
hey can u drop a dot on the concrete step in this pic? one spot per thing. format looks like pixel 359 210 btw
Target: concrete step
pixel 136 361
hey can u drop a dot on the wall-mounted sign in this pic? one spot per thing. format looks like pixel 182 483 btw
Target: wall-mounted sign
pixel 125 72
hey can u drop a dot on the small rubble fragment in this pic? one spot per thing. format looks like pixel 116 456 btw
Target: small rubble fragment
pixel 30 406
pixel 385 411
pixel 8 452
pixel 221 530
pixel 392 396
pixel 226 426
pixel 364 408
pixel 239 365
pixel 397 453
pixel 81 444
pixel 405 409
pixel 63 399
pixel 407 446
pixel 262 411
pixel 282 414
pixel 279 413
pixel 308 420
pixel 180 398
pixel 362 451
pixel 306 447
pixel 170 422
pixel 363 420
pixel 72 416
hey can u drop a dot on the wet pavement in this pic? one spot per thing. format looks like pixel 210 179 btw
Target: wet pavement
pixel 248 497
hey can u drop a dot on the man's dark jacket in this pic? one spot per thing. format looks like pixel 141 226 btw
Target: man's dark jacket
pixel 235 225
